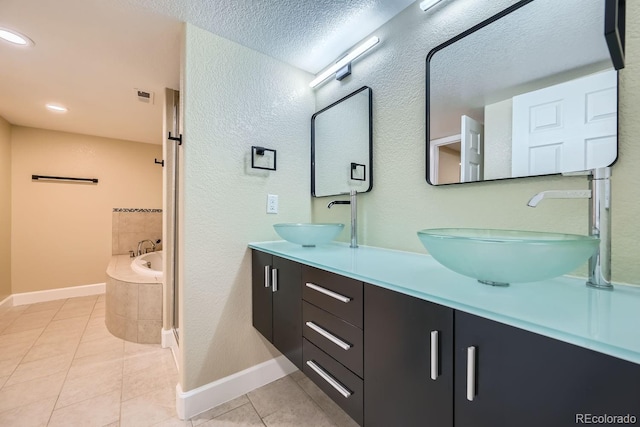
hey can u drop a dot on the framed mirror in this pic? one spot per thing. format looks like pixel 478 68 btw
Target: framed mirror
pixel 531 91
pixel 341 146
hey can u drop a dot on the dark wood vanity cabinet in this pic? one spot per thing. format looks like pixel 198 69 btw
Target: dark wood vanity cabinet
pixel 389 359
pixel 408 364
pixel 525 379
pixel 277 303
pixel 332 311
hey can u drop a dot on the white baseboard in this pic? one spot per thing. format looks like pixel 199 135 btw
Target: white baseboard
pixel 54 294
pixel 196 401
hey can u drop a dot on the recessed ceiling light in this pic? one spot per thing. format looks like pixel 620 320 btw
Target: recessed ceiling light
pixel 57 108
pixel 15 37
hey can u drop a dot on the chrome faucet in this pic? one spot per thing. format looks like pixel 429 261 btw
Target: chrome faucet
pixel 141 244
pixel 354 215
pixel 599 222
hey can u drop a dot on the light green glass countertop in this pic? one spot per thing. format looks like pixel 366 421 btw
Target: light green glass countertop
pixel 562 308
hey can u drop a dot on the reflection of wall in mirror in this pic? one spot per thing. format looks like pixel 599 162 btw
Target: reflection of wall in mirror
pixel 449 165
pixel 342 137
pixel 497 134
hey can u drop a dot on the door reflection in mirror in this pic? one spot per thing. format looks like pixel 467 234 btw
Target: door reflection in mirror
pixel 530 91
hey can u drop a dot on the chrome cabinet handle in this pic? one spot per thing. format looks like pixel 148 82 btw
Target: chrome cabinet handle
pixel 328 378
pixel 267 270
pixel 274 280
pixel 328 335
pixel 471 373
pixel 434 355
pixel 327 292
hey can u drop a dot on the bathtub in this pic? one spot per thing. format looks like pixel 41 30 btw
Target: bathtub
pixel 149 264
pixel 133 306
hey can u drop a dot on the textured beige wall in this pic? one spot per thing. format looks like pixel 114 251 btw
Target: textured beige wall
pixel 61 232
pixel 5 209
pixel 402 203
pixel 233 98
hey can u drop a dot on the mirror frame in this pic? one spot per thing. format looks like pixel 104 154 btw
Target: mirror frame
pixel 313 141
pixel 614 34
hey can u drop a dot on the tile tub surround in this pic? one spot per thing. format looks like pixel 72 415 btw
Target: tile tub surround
pixel 133 303
pixel 130 226
pixel 563 308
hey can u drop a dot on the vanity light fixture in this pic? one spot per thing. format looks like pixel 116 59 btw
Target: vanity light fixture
pixel 428 4
pixel 15 37
pixel 345 62
pixel 57 108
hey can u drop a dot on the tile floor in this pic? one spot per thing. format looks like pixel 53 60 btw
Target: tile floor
pixel 60 366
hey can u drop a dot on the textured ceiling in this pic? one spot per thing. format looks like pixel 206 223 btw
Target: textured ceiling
pixel 91 54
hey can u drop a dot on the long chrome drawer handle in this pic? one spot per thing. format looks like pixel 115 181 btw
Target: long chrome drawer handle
pixel 267 273
pixel 471 373
pixel 327 292
pixel 328 335
pixel 434 355
pixel 274 280
pixel 328 378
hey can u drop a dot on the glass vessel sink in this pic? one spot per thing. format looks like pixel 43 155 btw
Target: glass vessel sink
pixel 500 257
pixel 308 235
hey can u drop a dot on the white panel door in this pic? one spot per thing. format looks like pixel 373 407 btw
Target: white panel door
pixel 567 127
pixel 471 150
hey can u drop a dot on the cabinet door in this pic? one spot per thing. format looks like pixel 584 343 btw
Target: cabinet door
pixel 525 379
pixel 261 295
pixel 399 390
pixel 287 309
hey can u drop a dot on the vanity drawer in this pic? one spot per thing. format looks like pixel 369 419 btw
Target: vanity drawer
pixel 340 339
pixel 338 295
pixel 339 383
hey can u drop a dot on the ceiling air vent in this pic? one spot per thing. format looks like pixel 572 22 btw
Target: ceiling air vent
pixel 145 96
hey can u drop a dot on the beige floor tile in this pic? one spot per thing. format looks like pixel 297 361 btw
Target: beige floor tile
pixel 71 337
pixel 44 306
pixel 96 329
pixel 20 337
pixel 89 365
pixel 93 360
pixel 101 297
pixel 98 313
pixel 3 380
pixel 136 348
pixel 173 422
pixel 15 350
pixel 7 366
pixel 70 324
pixel 219 410
pixel 139 361
pixel 333 411
pixel 297 375
pixel 245 416
pixel 278 394
pixel 46 350
pixel 102 345
pixel 30 321
pixel 144 381
pixel 291 415
pixel 71 312
pixel 80 388
pixel 29 392
pixel 34 415
pixel 40 368
pixel 95 412
pixel 149 409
